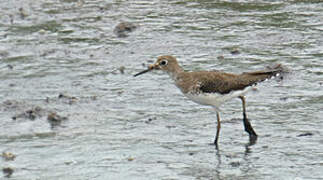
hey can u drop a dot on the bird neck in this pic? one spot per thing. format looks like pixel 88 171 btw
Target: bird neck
pixel 173 73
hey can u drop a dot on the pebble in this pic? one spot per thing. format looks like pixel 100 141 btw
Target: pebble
pixel 131 159
pixel 123 28
pixel 8 156
pixel 221 57
pixel 121 69
pixel 305 134
pixel 7 171
pixel 22 13
pixel 235 52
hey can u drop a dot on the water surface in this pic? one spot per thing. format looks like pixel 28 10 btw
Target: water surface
pixel 63 57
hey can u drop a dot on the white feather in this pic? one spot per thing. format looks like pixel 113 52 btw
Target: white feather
pixel 216 99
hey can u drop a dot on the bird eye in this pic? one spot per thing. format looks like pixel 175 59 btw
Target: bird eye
pixel 163 62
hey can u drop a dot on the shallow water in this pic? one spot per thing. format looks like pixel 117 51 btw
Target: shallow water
pixel 121 127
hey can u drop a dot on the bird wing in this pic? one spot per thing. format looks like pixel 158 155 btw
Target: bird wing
pixel 223 83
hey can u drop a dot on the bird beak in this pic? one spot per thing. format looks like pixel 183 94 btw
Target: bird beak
pixel 150 67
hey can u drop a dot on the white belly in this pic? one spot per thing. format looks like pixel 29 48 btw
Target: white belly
pixel 215 99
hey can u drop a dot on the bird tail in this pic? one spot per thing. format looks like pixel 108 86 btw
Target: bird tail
pixel 274 72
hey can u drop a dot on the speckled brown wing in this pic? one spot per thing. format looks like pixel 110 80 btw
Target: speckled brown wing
pixel 206 82
pixel 216 82
pixel 223 83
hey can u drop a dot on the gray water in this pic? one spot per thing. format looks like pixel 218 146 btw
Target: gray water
pixel 63 57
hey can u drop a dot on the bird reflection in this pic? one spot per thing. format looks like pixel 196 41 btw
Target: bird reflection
pixel 244 160
pixel 252 141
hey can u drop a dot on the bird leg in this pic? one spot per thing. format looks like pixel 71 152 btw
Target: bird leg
pixel 247 126
pixel 218 128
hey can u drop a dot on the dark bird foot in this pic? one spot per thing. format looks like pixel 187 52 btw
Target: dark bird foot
pixel 248 128
pixel 252 139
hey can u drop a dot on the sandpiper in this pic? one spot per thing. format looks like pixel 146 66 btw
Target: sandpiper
pixel 213 88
